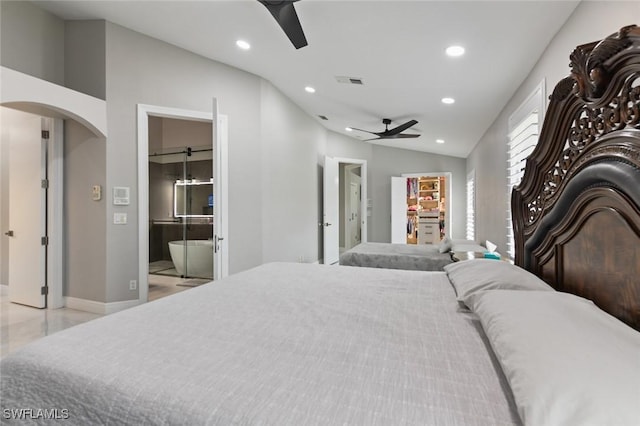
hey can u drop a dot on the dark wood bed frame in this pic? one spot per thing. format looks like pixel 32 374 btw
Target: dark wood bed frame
pixel 576 213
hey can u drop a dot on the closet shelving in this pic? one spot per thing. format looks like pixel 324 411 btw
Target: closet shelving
pixel 425 197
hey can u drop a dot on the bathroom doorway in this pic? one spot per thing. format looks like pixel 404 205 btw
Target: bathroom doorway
pixel 181 205
pixel 182 171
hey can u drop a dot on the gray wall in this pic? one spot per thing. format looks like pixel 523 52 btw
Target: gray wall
pixel 144 70
pixel 591 21
pixel 289 146
pixel 85 220
pixel 388 162
pixel 32 41
pixel 85 57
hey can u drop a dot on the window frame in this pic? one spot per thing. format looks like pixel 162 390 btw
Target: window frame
pixel 471 206
pixel 521 123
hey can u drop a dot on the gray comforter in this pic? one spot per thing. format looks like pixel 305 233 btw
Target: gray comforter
pixel 281 344
pixel 413 257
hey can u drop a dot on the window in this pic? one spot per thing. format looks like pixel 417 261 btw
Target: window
pixel 524 125
pixel 471 206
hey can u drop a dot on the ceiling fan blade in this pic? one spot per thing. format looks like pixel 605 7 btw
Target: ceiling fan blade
pixel 398 136
pixel 285 14
pixel 368 131
pixel 400 128
pixel 401 136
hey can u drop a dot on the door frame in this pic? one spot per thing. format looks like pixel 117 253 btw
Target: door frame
pixel 143 113
pixel 55 206
pixel 364 213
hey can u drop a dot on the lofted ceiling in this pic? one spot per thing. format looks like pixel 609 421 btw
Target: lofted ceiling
pixel 396 47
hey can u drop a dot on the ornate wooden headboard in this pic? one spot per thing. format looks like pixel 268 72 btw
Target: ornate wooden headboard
pixel 576 213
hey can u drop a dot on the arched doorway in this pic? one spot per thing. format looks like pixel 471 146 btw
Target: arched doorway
pixel 38 100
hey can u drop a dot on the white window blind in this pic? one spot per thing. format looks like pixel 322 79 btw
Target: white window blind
pixel 524 128
pixel 471 206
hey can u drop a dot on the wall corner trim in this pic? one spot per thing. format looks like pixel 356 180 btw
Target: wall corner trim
pixel 99 307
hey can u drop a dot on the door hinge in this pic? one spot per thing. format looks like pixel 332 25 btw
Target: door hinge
pixel 44 241
pixel 44 290
pixel 45 134
pixel 44 184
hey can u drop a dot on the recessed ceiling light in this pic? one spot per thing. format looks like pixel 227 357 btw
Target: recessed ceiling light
pixel 439 140
pixel 348 129
pixel 243 45
pixel 455 51
pixel 310 89
pixel 448 100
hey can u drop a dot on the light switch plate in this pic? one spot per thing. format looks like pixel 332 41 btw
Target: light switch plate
pixel 119 218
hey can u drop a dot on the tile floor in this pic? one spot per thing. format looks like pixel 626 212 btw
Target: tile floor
pixel 21 324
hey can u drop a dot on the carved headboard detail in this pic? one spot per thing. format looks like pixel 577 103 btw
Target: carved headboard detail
pixel 576 213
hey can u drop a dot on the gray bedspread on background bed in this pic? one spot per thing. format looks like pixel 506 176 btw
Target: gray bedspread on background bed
pixel 281 344
pixel 413 257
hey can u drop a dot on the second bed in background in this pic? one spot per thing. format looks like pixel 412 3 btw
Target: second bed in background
pixel 423 257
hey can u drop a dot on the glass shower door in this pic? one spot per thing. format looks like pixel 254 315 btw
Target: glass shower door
pixel 195 197
pixel 181 201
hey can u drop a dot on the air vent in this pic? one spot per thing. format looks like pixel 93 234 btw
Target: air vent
pixel 349 80
pixel 322 117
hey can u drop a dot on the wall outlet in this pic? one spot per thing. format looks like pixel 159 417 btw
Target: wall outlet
pixel 133 285
pixel 300 259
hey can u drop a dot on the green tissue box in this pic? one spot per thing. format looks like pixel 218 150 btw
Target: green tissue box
pixel 491 255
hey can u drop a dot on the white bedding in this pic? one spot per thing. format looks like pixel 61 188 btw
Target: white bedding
pixel 281 344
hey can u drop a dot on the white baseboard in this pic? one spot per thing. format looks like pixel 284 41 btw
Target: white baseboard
pixel 98 307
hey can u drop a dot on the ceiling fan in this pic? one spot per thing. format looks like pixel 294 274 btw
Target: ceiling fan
pixel 285 14
pixel 395 133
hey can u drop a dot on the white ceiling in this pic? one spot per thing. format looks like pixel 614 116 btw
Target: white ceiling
pixel 396 47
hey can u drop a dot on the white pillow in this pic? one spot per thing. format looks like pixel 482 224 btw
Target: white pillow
pixel 567 361
pixel 475 275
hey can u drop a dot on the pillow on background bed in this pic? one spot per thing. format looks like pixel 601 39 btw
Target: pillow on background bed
pixel 472 276
pixel 445 245
pixel 567 361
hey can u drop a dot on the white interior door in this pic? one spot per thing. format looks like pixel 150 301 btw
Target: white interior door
pixel 399 210
pixel 330 222
pixel 27 207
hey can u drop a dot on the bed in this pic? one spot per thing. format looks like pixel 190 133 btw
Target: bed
pixel 484 342
pixel 422 257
